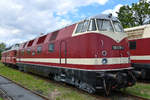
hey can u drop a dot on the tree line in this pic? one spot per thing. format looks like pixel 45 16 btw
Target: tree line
pixel 2 48
pixel 135 14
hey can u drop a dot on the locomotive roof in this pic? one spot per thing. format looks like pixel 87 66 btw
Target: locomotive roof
pixel 138 32
pixel 13 47
pixel 104 16
pixel 137 27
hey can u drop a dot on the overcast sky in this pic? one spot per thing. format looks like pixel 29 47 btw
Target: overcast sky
pixel 21 20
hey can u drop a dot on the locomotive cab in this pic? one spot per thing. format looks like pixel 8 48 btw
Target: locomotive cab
pixel 108 44
pixel 99 23
pixel 107 36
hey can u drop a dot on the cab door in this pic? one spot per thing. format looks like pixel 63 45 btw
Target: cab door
pixel 63 52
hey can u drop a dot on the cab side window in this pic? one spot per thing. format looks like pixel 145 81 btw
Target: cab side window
pixel 39 49
pixel 79 27
pixel 33 53
pixel 28 51
pixel 85 26
pixel 51 47
pixel 132 45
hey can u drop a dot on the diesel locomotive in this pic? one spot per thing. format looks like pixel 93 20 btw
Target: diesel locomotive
pixel 139 49
pixel 92 54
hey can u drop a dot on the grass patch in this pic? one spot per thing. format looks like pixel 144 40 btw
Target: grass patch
pixel 140 89
pixel 51 90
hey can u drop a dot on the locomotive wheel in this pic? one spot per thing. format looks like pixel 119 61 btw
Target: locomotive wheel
pixel 21 68
pixel 107 87
pixel 77 83
pixel 57 77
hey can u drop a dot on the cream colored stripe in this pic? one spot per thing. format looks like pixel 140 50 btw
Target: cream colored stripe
pixel 140 57
pixel 83 61
pixel 46 60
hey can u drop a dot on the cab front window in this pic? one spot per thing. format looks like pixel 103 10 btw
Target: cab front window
pixel 79 28
pixel 104 25
pixel 86 25
pixel 117 26
pixel 92 26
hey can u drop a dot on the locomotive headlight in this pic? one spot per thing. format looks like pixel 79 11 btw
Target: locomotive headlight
pixel 104 61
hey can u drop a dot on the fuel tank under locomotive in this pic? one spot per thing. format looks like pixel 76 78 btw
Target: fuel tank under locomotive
pixel 94 81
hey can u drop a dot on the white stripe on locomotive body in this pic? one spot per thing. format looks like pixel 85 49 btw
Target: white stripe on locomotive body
pixel 142 57
pixel 8 57
pixel 80 61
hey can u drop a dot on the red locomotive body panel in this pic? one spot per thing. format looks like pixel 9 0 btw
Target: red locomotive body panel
pixel 140 56
pixel 141 52
pixel 79 53
pixel 140 49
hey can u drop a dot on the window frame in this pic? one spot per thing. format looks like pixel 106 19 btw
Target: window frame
pixel 54 35
pixel 120 26
pixel 132 45
pixel 30 43
pixel 39 50
pixel 33 53
pixel 92 25
pixel 98 24
pixel 49 47
pixel 104 20
pixel 83 26
pixel 28 51
pixel 41 39
pixel 80 27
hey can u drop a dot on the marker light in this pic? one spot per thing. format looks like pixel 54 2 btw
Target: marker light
pixel 104 61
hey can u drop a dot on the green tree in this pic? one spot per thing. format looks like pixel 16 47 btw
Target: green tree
pixel 125 16
pixel 134 15
pixel 2 48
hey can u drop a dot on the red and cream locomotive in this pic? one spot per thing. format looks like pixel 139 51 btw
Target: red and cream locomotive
pixel 139 38
pixel 92 54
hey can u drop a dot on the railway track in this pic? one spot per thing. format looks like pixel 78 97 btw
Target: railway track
pixel 6 95
pixel 144 81
pixel 116 95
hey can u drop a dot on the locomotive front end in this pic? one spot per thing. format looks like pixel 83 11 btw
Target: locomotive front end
pixel 109 53
pixel 115 56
